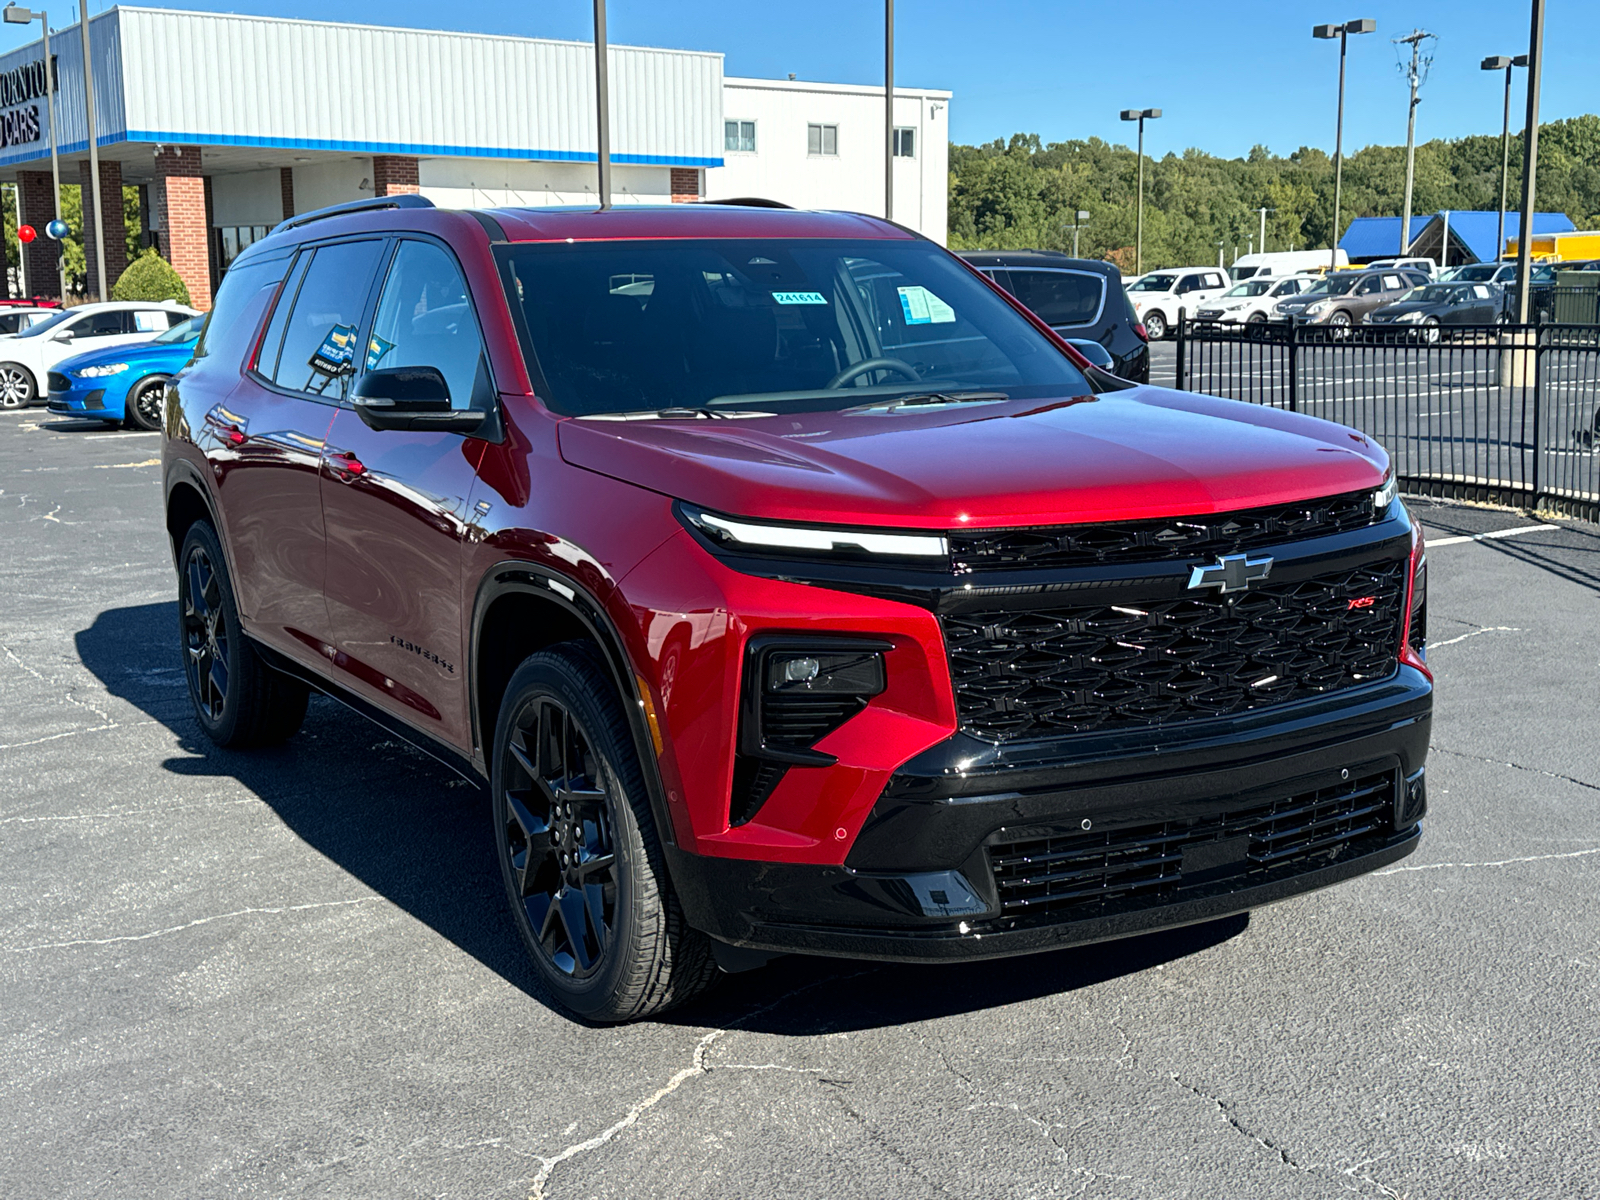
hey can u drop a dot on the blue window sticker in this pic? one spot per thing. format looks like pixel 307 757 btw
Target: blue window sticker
pixel 922 307
pixel 799 297
pixel 336 355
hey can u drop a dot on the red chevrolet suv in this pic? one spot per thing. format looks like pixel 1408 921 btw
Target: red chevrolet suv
pixel 792 587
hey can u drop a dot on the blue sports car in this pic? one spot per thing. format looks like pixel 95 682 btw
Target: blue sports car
pixel 123 384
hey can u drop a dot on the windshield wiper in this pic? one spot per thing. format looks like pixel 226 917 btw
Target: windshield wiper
pixel 931 398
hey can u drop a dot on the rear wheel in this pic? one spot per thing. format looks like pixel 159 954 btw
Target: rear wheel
pixel 145 404
pixel 579 853
pixel 239 701
pixel 1155 325
pixel 17 388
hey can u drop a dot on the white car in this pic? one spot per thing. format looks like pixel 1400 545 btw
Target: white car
pixel 14 319
pixel 1252 301
pixel 26 357
pixel 1158 296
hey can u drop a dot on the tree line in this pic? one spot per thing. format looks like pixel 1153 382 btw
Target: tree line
pixel 1022 193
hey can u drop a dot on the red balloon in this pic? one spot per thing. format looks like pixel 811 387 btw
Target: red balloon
pixel 25 234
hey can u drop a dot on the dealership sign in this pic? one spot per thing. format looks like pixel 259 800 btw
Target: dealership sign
pixel 19 124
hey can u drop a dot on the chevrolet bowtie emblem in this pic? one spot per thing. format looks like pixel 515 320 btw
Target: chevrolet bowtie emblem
pixel 1231 573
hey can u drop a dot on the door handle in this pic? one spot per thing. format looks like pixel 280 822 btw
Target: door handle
pixel 228 428
pixel 345 465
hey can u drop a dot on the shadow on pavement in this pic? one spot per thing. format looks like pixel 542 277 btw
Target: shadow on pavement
pixel 415 834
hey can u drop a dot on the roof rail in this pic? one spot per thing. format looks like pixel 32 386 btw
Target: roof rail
pixel 404 200
pixel 748 202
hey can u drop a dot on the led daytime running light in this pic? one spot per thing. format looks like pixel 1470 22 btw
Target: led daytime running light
pixel 788 537
pixel 1384 496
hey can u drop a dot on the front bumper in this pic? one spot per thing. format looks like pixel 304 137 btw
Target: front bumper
pixel 97 398
pixel 921 885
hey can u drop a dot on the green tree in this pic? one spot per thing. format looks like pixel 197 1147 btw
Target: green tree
pixel 150 277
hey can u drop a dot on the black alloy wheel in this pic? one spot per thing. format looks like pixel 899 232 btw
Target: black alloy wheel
pixel 147 404
pixel 238 700
pixel 17 387
pixel 583 867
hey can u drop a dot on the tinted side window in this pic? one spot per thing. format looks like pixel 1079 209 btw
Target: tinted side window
pixel 1059 297
pixel 10 322
pixel 103 323
pixel 1368 286
pixel 229 328
pixel 319 338
pixel 425 319
pixel 1189 283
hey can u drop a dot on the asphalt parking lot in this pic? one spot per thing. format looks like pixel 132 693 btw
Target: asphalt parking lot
pixel 291 973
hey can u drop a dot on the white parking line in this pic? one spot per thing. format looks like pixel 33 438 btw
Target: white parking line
pixel 1496 533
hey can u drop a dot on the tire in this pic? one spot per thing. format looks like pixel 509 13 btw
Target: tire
pixel 1430 331
pixel 146 403
pixel 1155 326
pixel 17 386
pixel 582 863
pixel 1339 319
pixel 239 701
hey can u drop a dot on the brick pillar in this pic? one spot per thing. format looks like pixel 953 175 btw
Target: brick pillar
pixel 286 182
pixel 685 184
pixel 110 217
pixel 188 239
pixel 394 175
pixel 38 210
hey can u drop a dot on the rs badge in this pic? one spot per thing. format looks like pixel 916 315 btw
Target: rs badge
pixel 1231 573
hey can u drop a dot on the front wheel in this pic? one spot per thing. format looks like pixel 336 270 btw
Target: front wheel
pixel 1155 325
pixel 1340 319
pixel 17 387
pixel 1431 331
pixel 145 404
pixel 578 848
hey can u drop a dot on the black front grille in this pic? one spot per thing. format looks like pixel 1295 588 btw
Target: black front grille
pixel 1049 671
pixel 1160 540
pixel 1071 874
pixel 58 382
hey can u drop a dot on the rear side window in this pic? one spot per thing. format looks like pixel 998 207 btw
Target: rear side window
pixel 425 319
pixel 318 352
pixel 237 311
pixel 102 324
pixel 1060 297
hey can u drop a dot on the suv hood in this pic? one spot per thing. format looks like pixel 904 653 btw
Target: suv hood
pixel 1144 452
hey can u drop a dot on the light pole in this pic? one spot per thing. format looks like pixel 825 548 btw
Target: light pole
pixel 94 153
pixel 888 110
pixel 1504 62
pixel 1083 215
pixel 602 101
pixel 1140 115
pixel 1341 32
pixel 1416 75
pixel 23 16
pixel 1264 211
pixel 1530 161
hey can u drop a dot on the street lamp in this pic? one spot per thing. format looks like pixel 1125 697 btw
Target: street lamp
pixel 1504 62
pixel 1083 215
pixel 1140 115
pixel 1530 160
pixel 1341 32
pixel 24 16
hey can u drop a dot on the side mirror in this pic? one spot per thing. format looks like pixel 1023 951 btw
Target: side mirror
pixel 416 398
pixel 66 335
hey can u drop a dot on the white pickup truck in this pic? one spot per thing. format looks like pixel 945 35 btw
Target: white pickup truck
pixel 1158 296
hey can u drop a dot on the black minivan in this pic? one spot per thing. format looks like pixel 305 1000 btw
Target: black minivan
pixel 1080 298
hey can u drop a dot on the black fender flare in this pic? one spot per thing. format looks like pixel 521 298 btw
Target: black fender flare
pixel 519 575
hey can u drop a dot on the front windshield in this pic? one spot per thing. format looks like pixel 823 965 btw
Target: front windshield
pixel 1544 274
pixel 1437 293
pixel 1333 285
pixel 1253 287
pixel 184 331
pixel 1155 283
pixel 46 326
pixel 776 323
pixel 1474 274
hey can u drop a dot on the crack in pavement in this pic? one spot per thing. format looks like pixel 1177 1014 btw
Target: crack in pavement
pixel 155 933
pixel 1478 632
pixel 1502 862
pixel 1499 762
pixel 697 1067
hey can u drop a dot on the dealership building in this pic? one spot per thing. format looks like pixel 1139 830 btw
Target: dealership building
pixel 228 124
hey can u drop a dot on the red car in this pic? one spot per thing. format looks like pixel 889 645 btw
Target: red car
pixel 792 587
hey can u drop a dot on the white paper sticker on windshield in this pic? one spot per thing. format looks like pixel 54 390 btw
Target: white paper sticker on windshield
pixel 799 297
pixel 922 307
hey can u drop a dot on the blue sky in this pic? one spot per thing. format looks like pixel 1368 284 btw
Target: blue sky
pixel 1227 75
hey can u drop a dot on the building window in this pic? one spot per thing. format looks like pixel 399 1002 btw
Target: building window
pixel 905 143
pixel 822 139
pixel 739 136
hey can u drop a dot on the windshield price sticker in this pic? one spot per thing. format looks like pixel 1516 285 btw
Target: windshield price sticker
pixel 799 297
pixel 922 307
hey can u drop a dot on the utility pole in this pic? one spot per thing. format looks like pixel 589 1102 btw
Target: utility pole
pixel 1083 216
pixel 1140 115
pixel 1341 32
pixel 1530 161
pixel 94 154
pixel 602 84
pixel 1504 62
pixel 1264 211
pixel 1416 73
pixel 888 109
pixel 23 16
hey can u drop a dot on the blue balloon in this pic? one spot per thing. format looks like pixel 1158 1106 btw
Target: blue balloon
pixel 58 229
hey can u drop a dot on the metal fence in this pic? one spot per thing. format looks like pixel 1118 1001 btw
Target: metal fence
pixel 1503 413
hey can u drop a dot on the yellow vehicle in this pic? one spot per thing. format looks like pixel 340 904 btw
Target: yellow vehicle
pixel 1574 246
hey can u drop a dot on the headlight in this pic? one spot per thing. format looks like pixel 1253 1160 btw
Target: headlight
pixel 735 534
pixel 1384 496
pixel 1321 306
pixel 1410 318
pixel 102 371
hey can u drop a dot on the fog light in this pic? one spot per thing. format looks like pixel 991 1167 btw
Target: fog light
pixel 858 673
